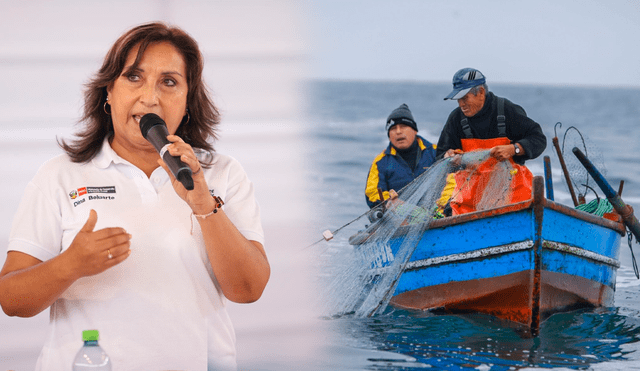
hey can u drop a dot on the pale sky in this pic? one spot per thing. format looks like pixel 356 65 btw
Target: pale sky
pixel 560 42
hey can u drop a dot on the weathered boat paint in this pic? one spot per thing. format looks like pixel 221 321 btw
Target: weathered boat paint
pixel 521 262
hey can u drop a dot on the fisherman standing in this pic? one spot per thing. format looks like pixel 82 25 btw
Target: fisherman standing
pixel 478 117
pixel 407 156
pixel 484 121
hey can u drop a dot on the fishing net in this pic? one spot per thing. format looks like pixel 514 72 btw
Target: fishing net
pixel 360 263
pixel 580 179
pixel 582 182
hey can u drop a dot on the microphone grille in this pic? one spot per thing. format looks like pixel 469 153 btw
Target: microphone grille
pixel 148 121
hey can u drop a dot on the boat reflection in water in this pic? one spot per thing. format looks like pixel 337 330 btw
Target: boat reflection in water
pixel 576 339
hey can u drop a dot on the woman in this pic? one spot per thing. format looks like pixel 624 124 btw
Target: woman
pixel 110 240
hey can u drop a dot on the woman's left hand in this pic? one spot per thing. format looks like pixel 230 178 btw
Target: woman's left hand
pixel 199 199
pixel 240 266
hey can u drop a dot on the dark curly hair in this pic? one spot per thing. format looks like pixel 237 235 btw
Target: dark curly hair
pixel 204 116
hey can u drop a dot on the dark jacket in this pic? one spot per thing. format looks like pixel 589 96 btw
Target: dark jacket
pixel 390 171
pixel 484 125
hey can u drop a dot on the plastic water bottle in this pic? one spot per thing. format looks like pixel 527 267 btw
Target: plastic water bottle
pixel 91 356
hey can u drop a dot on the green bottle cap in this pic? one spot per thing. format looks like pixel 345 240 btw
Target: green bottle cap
pixel 90 335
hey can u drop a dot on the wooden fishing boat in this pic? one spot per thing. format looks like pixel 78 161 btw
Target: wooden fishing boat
pixel 521 262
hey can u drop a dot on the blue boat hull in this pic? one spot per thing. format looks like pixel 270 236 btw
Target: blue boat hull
pixel 522 262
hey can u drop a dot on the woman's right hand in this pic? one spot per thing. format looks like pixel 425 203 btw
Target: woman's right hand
pixel 28 285
pixel 93 252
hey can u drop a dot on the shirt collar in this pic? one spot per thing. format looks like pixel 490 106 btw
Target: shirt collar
pixel 106 156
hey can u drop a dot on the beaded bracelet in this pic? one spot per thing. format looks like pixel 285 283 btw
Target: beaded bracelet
pixel 218 204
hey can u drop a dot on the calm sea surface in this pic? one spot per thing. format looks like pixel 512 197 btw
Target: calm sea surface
pixel 346 132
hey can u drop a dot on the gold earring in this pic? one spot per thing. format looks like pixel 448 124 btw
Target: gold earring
pixel 188 117
pixel 105 107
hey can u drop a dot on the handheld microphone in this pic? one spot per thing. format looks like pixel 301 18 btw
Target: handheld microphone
pixel 154 129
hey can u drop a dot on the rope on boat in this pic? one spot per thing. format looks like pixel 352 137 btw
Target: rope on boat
pixel 625 211
pixel 633 257
pixel 597 207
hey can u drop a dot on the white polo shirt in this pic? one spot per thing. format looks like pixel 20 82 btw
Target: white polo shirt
pixel 162 308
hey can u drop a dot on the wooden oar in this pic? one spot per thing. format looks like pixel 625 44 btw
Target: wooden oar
pixel 626 211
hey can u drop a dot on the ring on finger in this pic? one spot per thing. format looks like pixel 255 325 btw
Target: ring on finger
pixel 109 254
pixel 199 169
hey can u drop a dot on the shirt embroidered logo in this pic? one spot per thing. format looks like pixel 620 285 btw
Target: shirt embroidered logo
pixel 84 190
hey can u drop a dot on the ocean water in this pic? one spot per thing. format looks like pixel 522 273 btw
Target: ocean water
pixel 346 132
